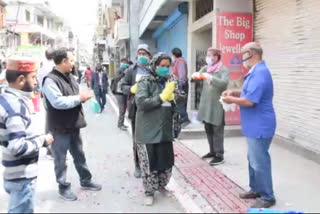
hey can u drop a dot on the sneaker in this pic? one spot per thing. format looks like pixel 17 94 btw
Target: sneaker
pixel 91 186
pixel 67 195
pixel 216 161
pixel 208 156
pixel 137 173
pixel 260 203
pixel 148 200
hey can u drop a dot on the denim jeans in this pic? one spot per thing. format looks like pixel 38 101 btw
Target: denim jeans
pixel 260 167
pixel 101 98
pixel 22 195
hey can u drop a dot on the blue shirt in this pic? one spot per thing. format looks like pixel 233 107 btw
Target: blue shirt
pixel 258 121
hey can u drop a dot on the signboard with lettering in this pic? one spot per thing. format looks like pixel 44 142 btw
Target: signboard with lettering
pixel 234 30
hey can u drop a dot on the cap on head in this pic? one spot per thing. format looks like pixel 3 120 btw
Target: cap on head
pixel 21 65
pixel 144 47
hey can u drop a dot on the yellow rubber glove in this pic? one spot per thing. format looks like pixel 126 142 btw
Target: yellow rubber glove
pixel 134 89
pixel 168 91
pixel 171 97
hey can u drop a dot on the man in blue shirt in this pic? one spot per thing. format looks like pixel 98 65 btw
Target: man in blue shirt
pixel 258 123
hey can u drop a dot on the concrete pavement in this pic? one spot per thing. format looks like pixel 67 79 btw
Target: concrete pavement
pixel 109 156
pixel 296 179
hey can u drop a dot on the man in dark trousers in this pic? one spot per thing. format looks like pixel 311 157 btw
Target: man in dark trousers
pixel 117 91
pixel 129 88
pixel 65 118
pixel 99 84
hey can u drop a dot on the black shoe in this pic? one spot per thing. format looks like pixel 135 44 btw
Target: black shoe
pixel 67 195
pixel 249 195
pixel 91 186
pixel 207 156
pixel 263 203
pixel 123 128
pixel 185 124
pixel 216 161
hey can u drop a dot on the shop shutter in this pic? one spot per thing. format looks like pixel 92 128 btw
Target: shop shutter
pixel 289 32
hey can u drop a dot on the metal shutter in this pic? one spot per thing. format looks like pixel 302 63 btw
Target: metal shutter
pixel 289 32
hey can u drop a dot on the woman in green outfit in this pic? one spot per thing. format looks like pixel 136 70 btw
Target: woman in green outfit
pixel 154 127
pixel 211 111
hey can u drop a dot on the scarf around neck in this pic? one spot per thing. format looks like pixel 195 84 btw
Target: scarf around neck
pixel 214 68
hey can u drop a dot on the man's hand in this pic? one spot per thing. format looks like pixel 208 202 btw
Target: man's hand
pixel 228 99
pixel 231 93
pixel 86 95
pixel 49 139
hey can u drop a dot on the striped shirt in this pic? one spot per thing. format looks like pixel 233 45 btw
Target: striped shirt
pixel 18 135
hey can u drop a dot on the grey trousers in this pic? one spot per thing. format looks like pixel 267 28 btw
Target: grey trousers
pixel 62 144
pixel 215 135
pixel 122 104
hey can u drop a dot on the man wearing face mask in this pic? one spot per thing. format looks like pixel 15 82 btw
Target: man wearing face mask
pixel 65 118
pixel 117 91
pixel 129 88
pixel 100 84
pixel 258 123
pixel 210 110
pixel 20 139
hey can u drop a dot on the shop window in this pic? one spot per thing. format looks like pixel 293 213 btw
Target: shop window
pixel 40 20
pixel 203 7
pixel 28 16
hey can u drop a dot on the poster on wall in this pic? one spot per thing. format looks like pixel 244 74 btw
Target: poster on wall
pixel 234 30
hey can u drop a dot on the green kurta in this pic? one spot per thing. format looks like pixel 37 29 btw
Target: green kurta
pixel 210 110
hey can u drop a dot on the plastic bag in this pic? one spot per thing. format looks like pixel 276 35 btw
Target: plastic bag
pixel 95 106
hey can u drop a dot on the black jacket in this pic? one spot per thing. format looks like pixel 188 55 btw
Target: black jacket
pixel 126 83
pixel 62 121
pixel 115 82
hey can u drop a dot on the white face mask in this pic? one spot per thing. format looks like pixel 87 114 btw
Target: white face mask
pixel 209 61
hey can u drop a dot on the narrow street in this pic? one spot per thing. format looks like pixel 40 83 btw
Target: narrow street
pixel 108 152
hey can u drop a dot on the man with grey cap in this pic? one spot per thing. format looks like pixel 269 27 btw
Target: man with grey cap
pixel 129 88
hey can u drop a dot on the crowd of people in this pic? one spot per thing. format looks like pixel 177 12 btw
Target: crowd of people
pixel 154 92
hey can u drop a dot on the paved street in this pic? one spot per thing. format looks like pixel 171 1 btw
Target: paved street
pixel 109 157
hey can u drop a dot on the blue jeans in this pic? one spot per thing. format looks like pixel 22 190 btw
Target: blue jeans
pixel 260 167
pixel 22 195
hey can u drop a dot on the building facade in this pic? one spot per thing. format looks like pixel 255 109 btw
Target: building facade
pixel 289 33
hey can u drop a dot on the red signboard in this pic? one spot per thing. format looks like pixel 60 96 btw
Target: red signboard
pixel 234 30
